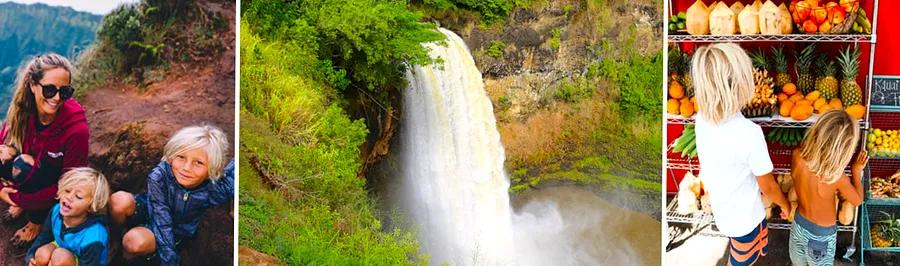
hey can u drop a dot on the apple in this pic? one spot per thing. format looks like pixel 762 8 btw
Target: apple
pixel 839 14
pixel 810 27
pixel 825 27
pixel 803 10
pixel 796 17
pixel 812 3
pixel 819 15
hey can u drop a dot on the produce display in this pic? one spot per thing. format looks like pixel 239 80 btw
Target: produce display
pixel 681 94
pixel 757 17
pixel 686 144
pixel 886 232
pixel 786 136
pixel 814 16
pixel 677 22
pixel 888 187
pixel 764 98
pixel 884 143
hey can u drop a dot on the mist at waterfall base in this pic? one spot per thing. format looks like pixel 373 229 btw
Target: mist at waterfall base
pixel 447 179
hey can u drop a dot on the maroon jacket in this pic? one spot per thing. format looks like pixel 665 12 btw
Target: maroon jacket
pixel 59 147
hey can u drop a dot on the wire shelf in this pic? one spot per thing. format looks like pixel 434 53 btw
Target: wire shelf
pixel 699 218
pixel 775 121
pixel 865 38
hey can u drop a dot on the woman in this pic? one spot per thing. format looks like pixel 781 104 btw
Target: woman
pixel 45 133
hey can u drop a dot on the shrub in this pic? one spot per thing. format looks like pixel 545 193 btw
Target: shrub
pixel 495 49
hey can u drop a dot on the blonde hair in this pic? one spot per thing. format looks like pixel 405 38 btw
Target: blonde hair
pixel 87 175
pixel 723 80
pixel 211 139
pixel 829 144
pixel 23 103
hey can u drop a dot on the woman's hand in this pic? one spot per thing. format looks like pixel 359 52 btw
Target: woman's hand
pixel 4 195
pixel 862 158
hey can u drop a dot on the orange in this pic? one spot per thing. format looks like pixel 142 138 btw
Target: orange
pixel 789 88
pixel 804 102
pixel 672 106
pixel 819 103
pixel 801 112
pixel 676 91
pixel 856 111
pixel 785 109
pixel 782 97
pixel 813 96
pixel 836 103
pixel 796 97
pixel 687 108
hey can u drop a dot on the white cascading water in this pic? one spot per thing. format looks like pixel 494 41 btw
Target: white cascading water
pixel 456 192
pixel 454 181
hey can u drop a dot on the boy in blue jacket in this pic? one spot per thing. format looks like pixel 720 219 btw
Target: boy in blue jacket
pixel 194 175
pixel 75 232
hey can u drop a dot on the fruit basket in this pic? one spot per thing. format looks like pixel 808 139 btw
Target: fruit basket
pixel 875 221
pixel 883 140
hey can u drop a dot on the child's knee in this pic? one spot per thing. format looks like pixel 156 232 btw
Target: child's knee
pixel 62 257
pixel 139 241
pixel 43 254
pixel 121 203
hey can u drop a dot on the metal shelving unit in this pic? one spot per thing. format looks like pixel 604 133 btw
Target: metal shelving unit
pixel 781 166
pixel 774 38
pixel 885 118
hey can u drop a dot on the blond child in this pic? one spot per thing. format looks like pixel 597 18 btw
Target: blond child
pixel 193 175
pixel 74 233
pixel 817 168
pixel 734 160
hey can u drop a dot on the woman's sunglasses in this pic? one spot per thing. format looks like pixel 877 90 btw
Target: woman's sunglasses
pixel 49 91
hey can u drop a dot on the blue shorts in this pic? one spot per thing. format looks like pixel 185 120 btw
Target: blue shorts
pixel 812 244
pixel 745 250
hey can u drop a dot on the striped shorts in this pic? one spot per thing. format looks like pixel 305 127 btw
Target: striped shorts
pixel 812 244
pixel 745 250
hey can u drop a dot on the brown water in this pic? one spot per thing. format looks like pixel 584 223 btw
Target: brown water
pixel 569 225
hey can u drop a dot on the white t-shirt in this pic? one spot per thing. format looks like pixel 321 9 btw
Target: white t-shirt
pixel 732 154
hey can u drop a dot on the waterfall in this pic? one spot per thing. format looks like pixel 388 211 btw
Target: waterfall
pixel 456 193
pixel 452 175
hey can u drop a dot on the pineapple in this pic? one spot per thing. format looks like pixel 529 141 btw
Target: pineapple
pixel 764 97
pixel 886 233
pixel 850 91
pixel 804 62
pixel 820 63
pixel 827 84
pixel 781 66
pixel 675 63
pixel 686 79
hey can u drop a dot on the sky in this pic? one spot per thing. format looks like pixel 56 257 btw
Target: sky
pixel 99 7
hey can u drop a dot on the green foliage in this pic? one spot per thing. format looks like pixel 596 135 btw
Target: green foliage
pixel 573 91
pixel 323 215
pixel 291 120
pixel 373 42
pixel 490 10
pixel 495 50
pixel 554 39
pixel 504 103
pixel 639 84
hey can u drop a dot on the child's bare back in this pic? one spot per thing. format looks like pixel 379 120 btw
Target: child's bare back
pixel 816 200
